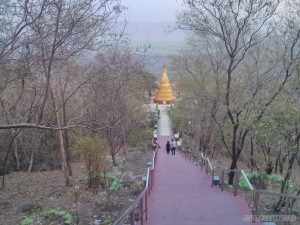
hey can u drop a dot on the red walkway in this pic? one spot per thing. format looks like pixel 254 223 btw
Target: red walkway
pixel 182 195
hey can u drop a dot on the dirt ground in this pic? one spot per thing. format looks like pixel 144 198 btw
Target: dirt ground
pixel 29 193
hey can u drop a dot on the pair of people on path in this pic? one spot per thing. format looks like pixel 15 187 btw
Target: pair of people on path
pixel 171 147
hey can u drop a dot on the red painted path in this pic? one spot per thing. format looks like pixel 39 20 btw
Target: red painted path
pixel 182 195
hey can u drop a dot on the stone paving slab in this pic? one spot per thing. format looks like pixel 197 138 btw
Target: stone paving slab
pixel 182 195
pixel 164 123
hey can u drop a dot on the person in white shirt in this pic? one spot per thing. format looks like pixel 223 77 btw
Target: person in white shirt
pixel 173 146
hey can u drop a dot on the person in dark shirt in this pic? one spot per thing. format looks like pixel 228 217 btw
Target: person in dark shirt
pixel 168 147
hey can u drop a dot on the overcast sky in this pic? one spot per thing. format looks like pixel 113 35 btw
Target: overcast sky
pixel 148 19
pixel 152 10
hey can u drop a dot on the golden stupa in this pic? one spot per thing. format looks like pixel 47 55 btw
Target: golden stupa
pixel 165 94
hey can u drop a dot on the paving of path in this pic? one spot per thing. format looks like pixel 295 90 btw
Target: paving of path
pixel 164 124
pixel 182 194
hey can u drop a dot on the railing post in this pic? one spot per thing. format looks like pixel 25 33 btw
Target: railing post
pixel 146 207
pixel 131 211
pixel 152 178
pixel 255 204
pixel 212 178
pixel 235 183
pixel 206 169
pixel 201 163
pixel 132 217
pixel 142 211
pixel 149 183
pixel 222 181
pixel 287 211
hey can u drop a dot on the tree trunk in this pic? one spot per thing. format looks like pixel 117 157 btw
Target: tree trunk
pixel 16 155
pixel 113 157
pixel 65 132
pixel 62 151
pixel 288 173
pixel 65 167
pixel 68 154
pixel 237 146
pixel 281 163
pixel 251 155
pixel 277 162
pixel 234 155
pixel 281 201
pixel 233 166
pixel 31 161
pixel 125 143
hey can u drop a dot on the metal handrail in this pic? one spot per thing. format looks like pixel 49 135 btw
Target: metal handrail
pixel 278 194
pixel 148 187
pixel 255 193
pixel 210 166
pixel 202 155
pixel 148 173
pixel 125 215
pixel 246 178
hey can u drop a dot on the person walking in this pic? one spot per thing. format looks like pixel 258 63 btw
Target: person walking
pixel 173 146
pixel 168 147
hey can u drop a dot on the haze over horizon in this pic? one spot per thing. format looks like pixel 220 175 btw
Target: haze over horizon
pixel 152 10
pixel 149 21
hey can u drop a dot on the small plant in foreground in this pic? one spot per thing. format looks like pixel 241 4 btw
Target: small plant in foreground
pixel 67 217
pixel 27 221
pixel 114 186
pixel 75 195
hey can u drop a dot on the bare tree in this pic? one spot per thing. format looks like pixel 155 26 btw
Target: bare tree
pixel 115 99
pixel 198 84
pixel 240 25
pixel 37 38
pixel 57 30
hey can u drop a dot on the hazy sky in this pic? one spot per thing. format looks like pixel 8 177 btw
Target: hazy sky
pixel 148 19
pixel 152 10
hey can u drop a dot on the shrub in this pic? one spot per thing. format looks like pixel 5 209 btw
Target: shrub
pixel 258 177
pixel 295 212
pixel 83 179
pixel 138 186
pixel 137 137
pixel 243 183
pixel 274 177
pixel 27 221
pixel 229 187
pixel 94 153
pixel 67 217
pixel 114 184
pixel 265 176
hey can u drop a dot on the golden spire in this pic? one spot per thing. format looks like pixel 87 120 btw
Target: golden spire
pixel 165 94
